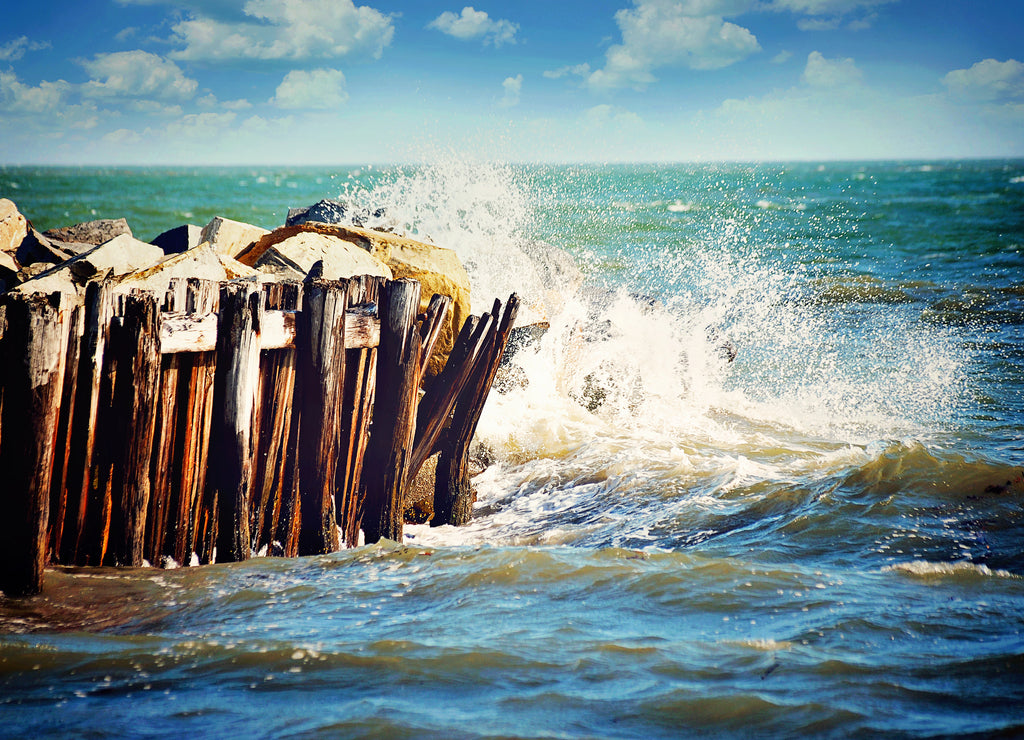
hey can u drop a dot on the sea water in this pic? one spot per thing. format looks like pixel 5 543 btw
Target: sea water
pixel 822 537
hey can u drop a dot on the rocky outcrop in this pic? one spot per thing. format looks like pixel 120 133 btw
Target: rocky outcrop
pixel 13 227
pixel 230 237
pixel 329 211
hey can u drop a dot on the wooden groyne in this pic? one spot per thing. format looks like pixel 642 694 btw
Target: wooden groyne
pixel 224 420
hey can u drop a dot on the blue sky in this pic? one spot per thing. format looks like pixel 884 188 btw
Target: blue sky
pixel 335 82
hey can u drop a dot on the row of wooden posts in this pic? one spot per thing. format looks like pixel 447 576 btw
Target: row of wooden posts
pixel 228 419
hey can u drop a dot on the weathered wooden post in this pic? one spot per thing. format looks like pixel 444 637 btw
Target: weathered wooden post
pixel 99 308
pixel 230 479
pixel 135 351
pixel 453 496
pixel 30 375
pixel 394 416
pixel 321 390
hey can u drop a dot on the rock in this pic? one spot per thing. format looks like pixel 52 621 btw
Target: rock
pixel 119 256
pixel 297 254
pixel 91 232
pixel 230 237
pixel 56 279
pixel 179 239
pixel 13 228
pixel 438 269
pixel 202 262
pixel 331 212
pixel 37 247
pixel 419 495
pixel 8 264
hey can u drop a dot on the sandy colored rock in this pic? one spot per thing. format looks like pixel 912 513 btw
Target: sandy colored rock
pixel 230 237
pixel 202 262
pixel 119 256
pixel 299 252
pixel 439 270
pixel 13 227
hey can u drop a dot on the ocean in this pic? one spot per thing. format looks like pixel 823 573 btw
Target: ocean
pixel 822 537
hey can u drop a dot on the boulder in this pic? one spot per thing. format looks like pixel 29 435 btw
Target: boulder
pixel 119 256
pixel 293 257
pixel 37 247
pixel 56 279
pixel 230 237
pixel 91 232
pixel 13 227
pixel 331 212
pixel 179 239
pixel 202 262
pixel 438 270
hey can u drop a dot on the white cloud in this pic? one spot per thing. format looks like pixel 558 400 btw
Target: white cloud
pixel 136 74
pixel 15 50
pixel 200 125
pixel 660 33
pixel 579 70
pixel 287 29
pixel 782 57
pixel 830 73
pixel 17 97
pixel 317 89
pixel 988 80
pixel 827 7
pixel 513 87
pixel 475 24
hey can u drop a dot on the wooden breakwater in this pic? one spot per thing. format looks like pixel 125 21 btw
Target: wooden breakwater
pixel 225 420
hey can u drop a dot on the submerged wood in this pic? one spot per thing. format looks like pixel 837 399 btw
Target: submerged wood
pixel 30 375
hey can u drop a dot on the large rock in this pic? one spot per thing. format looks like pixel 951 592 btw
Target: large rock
pixel 202 262
pixel 230 237
pixel 438 270
pixel 91 232
pixel 293 257
pixel 179 239
pixel 13 227
pixel 329 211
pixel 119 256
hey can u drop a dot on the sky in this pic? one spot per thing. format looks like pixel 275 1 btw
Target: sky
pixel 300 82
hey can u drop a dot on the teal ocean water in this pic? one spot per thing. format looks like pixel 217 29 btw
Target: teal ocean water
pixel 823 537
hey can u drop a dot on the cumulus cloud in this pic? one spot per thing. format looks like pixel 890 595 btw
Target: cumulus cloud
pixel 827 7
pixel 830 73
pixel 15 50
pixel 136 74
pixel 513 87
pixel 17 97
pixel 661 33
pixel 475 24
pixel 316 89
pixel 988 81
pixel 286 29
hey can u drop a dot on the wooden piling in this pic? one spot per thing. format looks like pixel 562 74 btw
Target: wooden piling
pixel 236 382
pixel 453 496
pixel 321 387
pixel 30 374
pixel 394 415
pixel 135 353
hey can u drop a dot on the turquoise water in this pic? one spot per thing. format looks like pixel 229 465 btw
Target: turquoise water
pixel 823 537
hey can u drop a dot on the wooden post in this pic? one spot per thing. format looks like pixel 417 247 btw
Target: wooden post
pixel 31 380
pixel 236 382
pixel 98 312
pixel 135 350
pixel 62 445
pixel 453 497
pixel 394 415
pixel 320 386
